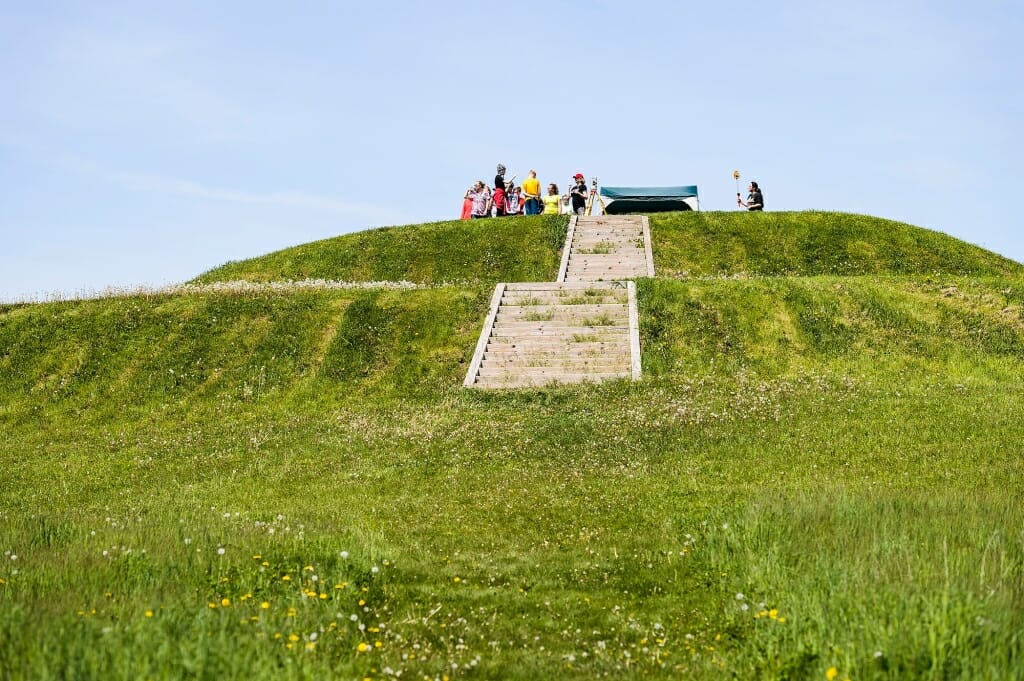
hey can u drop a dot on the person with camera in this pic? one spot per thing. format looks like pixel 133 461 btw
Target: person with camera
pixel 578 194
pixel 480 195
pixel 755 201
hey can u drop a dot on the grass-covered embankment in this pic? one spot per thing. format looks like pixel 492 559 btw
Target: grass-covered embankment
pixel 458 251
pixel 816 472
pixel 811 243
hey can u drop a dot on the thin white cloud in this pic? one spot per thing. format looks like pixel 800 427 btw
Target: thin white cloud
pixel 184 188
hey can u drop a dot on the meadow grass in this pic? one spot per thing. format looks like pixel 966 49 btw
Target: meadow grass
pixel 816 473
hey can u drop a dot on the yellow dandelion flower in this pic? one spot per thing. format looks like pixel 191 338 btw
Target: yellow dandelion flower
pixel 831 673
pixel 254 618
pixel 308 568
pixel 286 578
pixel 362 602
pixel 149 613
pixel 362 647
pixel 311 645
pixel 225 602
pixel 211 605
pixel 457 580
pixel 374 630
pixel 293 637
pixel 378 644
pixel 782 619
pixel 323 597
pixel 257 557
pixel 277 635
pixel 289 646
pixel 265 605
pixel 774 613
pixel 265 564
pixel 339 586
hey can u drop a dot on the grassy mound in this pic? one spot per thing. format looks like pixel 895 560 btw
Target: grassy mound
pixel 490 251
pixel 810 243
pixel 695 244
pixel 816 472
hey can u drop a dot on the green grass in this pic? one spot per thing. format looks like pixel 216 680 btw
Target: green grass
pixel 816 471
pixel 458 251
pixel 809 244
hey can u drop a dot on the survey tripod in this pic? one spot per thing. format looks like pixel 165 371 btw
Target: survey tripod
pixel 593 198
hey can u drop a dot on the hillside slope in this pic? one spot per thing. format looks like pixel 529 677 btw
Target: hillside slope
pixel 695 244
pixel 821 469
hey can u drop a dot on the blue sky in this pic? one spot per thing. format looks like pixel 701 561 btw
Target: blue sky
pixel 143 143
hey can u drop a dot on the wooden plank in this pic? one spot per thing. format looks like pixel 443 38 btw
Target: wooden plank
pixel 648 253
pixel 567 249
pixel 541 286
pixel 481 344
pixel 634 332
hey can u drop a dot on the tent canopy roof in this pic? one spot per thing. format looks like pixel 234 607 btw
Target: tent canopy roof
pixel 620 200
pixel 681 192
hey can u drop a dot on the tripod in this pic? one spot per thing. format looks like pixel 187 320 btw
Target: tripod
pixel 589 210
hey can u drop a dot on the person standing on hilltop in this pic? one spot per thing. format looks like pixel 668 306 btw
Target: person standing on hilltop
pixel 552 200
pixel 481 197
pixel 578 194
pixel 513 200
pixel 498 199
pixel 499 179
pixel 755 201
pixel 531 192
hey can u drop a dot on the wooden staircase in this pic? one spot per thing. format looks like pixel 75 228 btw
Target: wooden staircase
pixel 584 327
pixel 607 248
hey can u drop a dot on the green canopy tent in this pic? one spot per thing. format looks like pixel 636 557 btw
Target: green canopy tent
pixel 619 200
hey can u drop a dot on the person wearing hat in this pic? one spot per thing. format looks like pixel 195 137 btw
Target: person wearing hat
pixel 499 192
pixel 578 194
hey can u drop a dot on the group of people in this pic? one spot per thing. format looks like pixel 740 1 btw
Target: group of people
pixel 481 201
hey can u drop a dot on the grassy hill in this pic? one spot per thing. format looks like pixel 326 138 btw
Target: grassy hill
pixel 820 469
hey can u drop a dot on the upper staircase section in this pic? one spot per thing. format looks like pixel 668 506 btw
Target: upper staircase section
pixel 607 248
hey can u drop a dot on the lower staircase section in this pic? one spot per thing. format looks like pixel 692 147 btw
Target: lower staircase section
pixel 540 334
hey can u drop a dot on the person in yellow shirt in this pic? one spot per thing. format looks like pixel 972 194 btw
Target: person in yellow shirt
pixel 552 200
pixel 531 192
